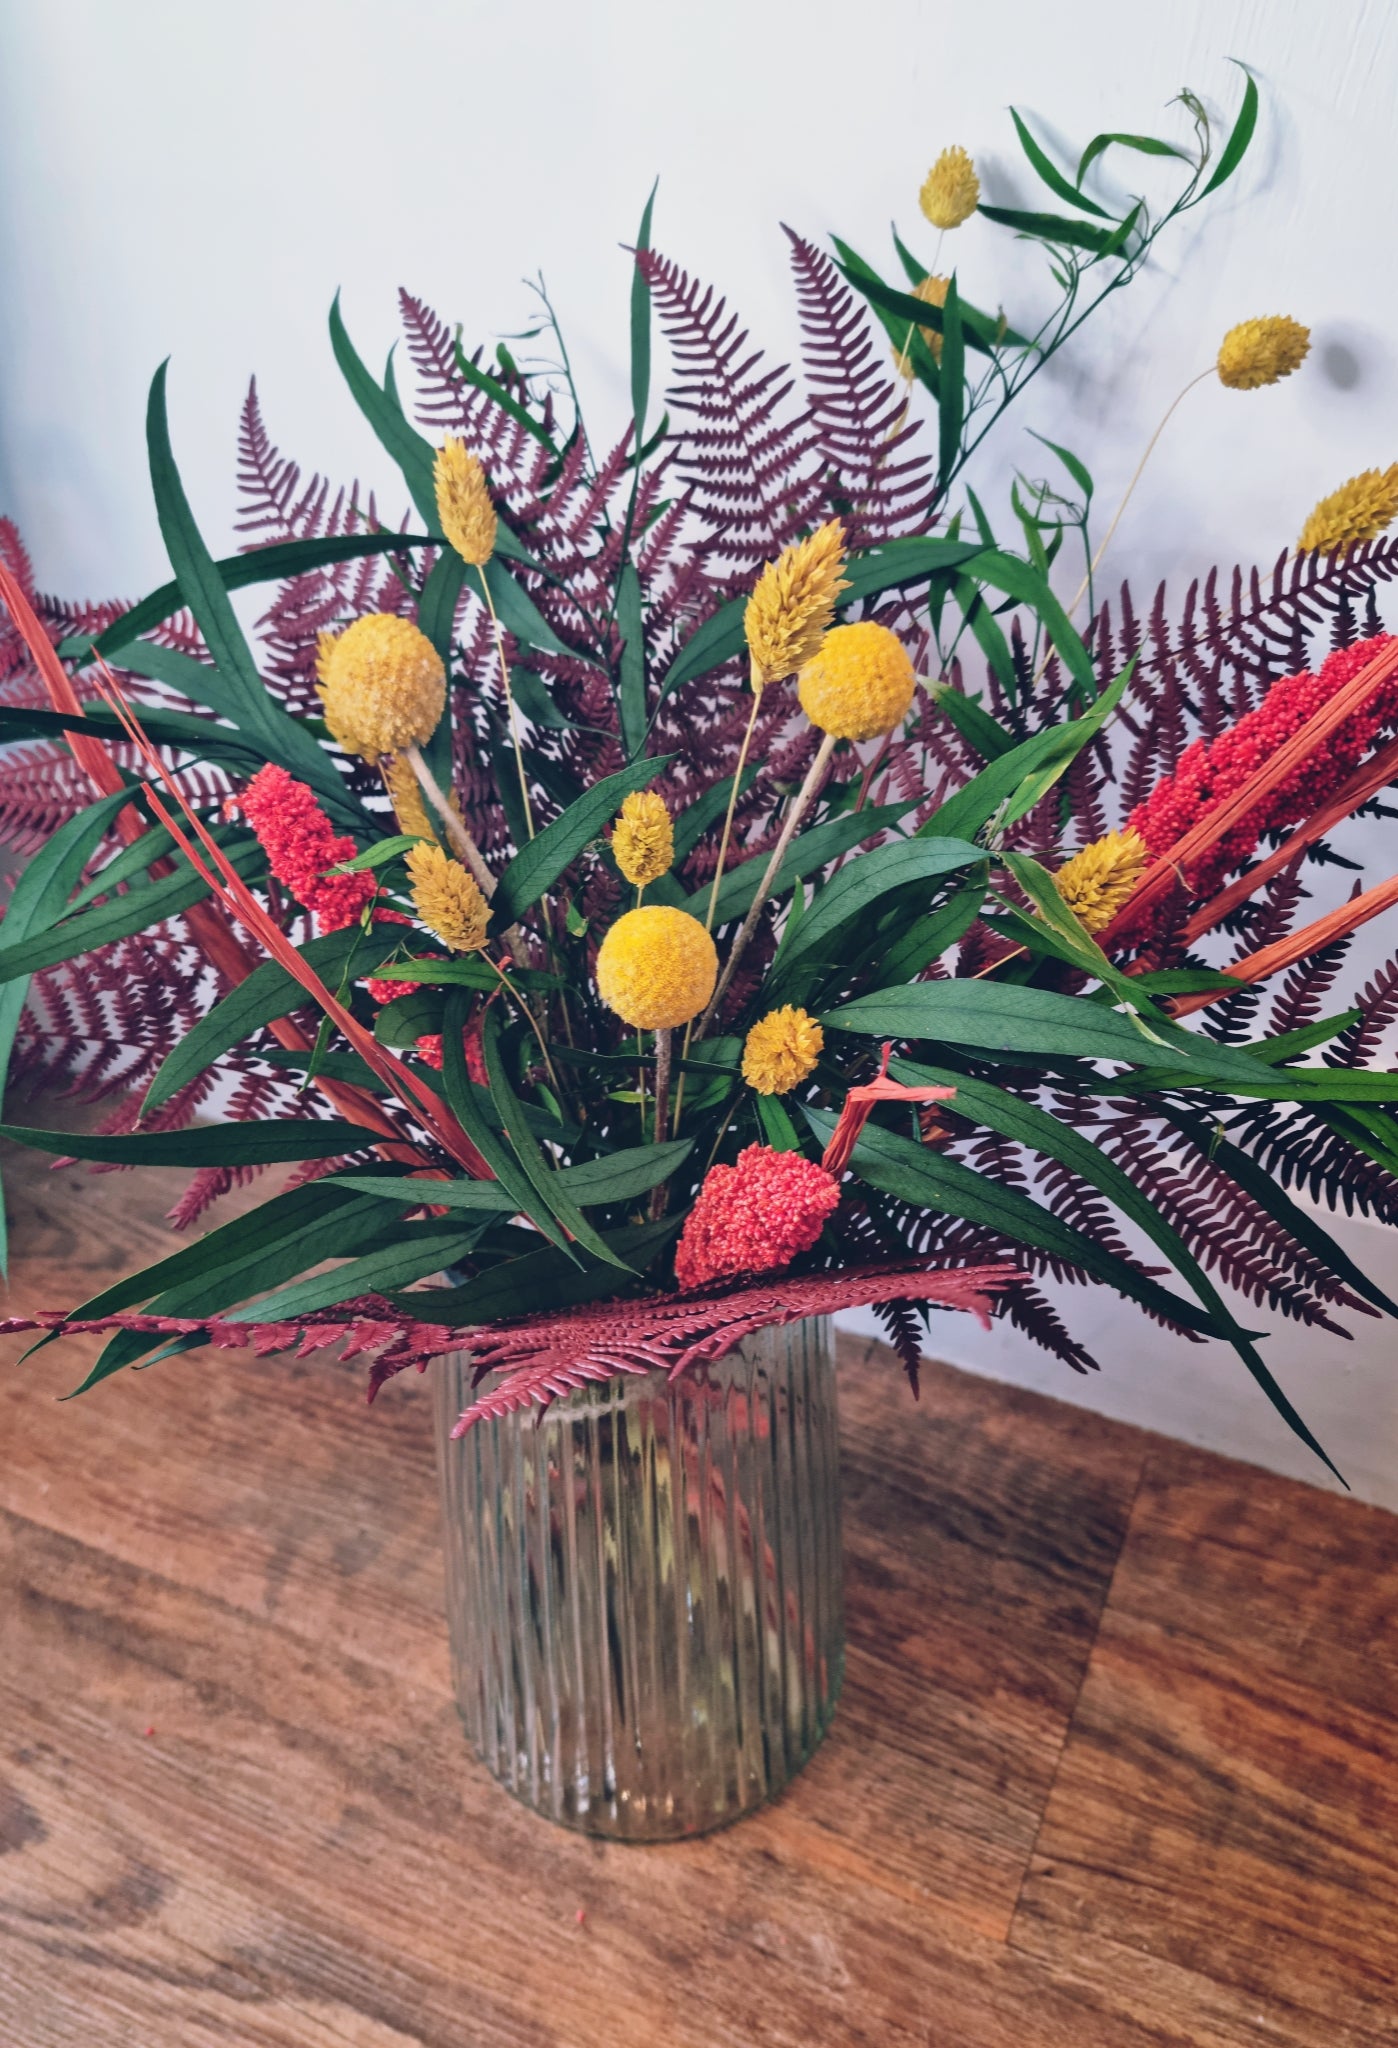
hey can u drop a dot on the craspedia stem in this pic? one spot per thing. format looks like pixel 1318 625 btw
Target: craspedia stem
pixel 805 797
pixel 732 806
pixel 509 705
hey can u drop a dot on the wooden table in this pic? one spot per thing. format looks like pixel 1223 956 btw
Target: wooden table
pixel 1116 1763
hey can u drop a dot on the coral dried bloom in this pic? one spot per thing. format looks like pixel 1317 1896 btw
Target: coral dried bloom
pixel 447 898
pixel 861 683
pixel 1096 882
pixel 463 503
pixel 300 844
pixel 643 838
pixel 793 604
pixel 1258 352
pixel 657 967
pixel 1359 510
pixel 951 191
pixel 781 1050
pixel 382 684
pixel 754 1216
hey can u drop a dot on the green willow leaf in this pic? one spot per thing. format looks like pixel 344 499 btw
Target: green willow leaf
pixel 516 1286
pixel 631 696
pixel 413 454
pixel 1013 783
pixel 1236 147
pixel 1144 145
pixel 1051 176
pixel 929 937
pixel 640 326
pixel 1054 228
pixel 498 1156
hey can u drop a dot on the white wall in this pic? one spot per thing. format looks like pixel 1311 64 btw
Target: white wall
pixel 197 181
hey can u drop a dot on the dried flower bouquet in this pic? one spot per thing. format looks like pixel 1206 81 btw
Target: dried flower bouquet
pixel 607 889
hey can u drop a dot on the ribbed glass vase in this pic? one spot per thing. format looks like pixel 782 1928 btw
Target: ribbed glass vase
pixel 644 1587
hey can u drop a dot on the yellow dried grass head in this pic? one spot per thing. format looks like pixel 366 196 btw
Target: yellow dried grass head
pixel 793 605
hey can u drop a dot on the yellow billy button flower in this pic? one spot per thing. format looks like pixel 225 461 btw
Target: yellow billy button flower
pixel 1097 882
pixel 933 292
pixel 781 1049
pixel 1359 510
pixel 406 798
pixel 793 605
pixel 643 838
pixel 463 503
pixel 951 191
pixel 447 899
pixel 861 683
pixel 1258 352
pixel 657 967
pixel 382 684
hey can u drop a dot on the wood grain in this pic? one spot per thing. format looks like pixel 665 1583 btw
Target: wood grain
pixel 1115 1763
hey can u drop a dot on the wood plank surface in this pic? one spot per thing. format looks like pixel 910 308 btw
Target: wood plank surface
pixel 1116 1762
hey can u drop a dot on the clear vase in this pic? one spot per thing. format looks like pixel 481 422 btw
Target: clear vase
pixel 644 1586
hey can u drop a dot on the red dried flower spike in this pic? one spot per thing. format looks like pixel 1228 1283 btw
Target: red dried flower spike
pixel 300 844
pixel 1210 772
pixel 755 1216
pixel 860 1101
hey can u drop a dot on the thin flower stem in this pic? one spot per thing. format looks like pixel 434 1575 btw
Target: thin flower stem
pixel 805 797
pixel 509 704
pixel 1095 564
pixel 732 807
pixel 522 1006
pixel 663 1041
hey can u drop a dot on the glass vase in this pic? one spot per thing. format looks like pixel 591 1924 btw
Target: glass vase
pixel 644 1586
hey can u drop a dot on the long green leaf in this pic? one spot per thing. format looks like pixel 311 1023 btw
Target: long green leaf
pixel 413 454
pixel 631 697
pixel 268 993
pixel 640 326
pixel 1020 580
pixel 516 1286
pixel 932 1180
pixel 808 852
pixel 1144 145
pixel 618 1178
pixel 1008 787
pixel 39 897
pixel 236 572
pixel 203 1144
pixel 547 1182
pixel 929 936
pixel 856 889
pixel 1000 1017
pixel 951 408
pixel 427 1250
pixel 461 1099
pixel 540 861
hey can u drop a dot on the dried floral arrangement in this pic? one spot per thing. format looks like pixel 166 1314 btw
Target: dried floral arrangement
pixel 609 886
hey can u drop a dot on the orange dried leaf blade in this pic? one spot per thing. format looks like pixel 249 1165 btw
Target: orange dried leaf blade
pixel 1312 938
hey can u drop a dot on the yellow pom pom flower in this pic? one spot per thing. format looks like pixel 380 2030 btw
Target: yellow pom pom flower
pixel 793 605
pixel 1359 510
pixel 1258 352
pixel 447 899
pixel 657 967
pixel 951 191
pixel 1098 881
pixel 405 794
pixel 781 1049
pixel 933 292
pixel 463 503
pixel 643 838
pixel 861 683
pixel 382 684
